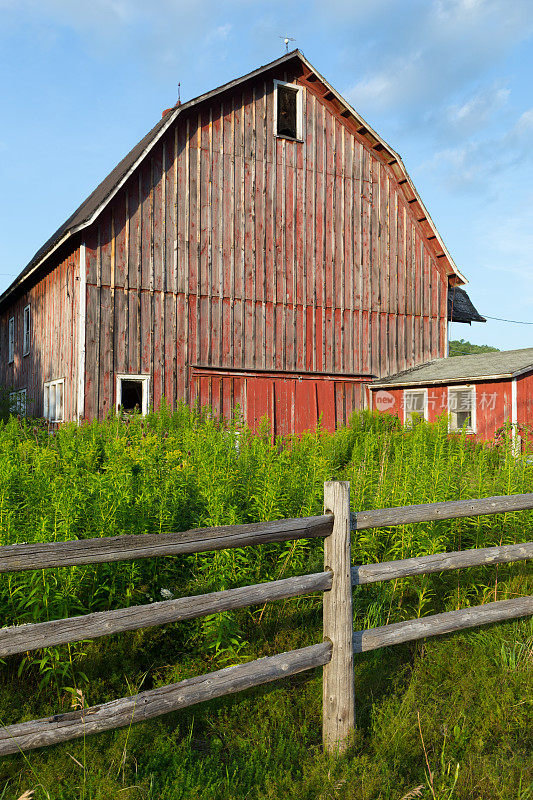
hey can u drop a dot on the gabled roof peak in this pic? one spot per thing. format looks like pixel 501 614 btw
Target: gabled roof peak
pixel 94 204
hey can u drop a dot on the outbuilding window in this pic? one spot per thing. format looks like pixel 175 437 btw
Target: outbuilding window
pixel 462 408
pixel 26 339
pixel 54 400
pixel 288 110
pixel 415 405
pixel 133 393
pixel 11 340
pixel 17 402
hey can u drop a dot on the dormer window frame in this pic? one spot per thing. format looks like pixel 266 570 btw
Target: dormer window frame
pixel 11 340
pixel 298 90
pixel 26 334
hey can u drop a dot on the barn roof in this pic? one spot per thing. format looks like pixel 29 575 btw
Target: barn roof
pixel 461 308
pixel 502 364
pixel 92 206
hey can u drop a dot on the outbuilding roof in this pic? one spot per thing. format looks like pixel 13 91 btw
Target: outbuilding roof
pixel 462 369
pixel 87 212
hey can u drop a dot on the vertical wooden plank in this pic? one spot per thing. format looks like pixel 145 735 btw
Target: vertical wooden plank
pixel 375 269
pixel 197 241
pixel 366 297
pixel 338 676
pixel 357 214
pixel 312 229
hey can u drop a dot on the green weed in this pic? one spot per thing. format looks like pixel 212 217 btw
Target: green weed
pixel 181 469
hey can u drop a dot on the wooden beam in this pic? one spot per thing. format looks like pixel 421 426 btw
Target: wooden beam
pixel 440 562
pixel 42 555
pixel 439 624
pixel 338 683
pixel 146 705
pixel 21 638
pixel 449 509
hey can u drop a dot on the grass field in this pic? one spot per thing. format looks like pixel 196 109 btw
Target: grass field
pixel 442 719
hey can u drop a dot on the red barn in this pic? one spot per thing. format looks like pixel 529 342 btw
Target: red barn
pixel 261 247
pixel 480 393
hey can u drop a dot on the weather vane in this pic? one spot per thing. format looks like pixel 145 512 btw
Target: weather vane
pixel 287 39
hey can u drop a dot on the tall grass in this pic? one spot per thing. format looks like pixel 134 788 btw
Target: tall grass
pixel 176 470
pixel 184 469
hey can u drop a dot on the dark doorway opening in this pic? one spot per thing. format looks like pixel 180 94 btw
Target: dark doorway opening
pixel 131 395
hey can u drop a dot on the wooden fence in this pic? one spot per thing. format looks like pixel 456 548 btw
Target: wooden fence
pixel 335 653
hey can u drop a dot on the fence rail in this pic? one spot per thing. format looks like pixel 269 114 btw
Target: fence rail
pixel 340 641
pixel 438 624
pixel 43 555
pixel 440 562
pixel 153 703
pixel 448 509
pixel 33 636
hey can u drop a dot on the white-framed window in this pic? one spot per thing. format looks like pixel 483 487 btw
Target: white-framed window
pixel 11 340
pixel 415 405
pixel 17 402
pixel 26 337
pixel 462 408
pixel 288 110
pixel 133 393
pixel 54 400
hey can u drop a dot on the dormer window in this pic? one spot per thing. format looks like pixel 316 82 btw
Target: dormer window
pixel 288 110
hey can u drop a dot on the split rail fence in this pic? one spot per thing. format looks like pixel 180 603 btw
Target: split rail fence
pixel 335 653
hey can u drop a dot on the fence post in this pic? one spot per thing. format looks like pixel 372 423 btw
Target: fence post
pixel 338 711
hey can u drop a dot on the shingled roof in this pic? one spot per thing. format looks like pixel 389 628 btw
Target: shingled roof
pixel 461 369
pixel 461 308
pixel 87 212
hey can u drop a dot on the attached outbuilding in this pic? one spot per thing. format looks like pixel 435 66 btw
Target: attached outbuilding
pixel 480 393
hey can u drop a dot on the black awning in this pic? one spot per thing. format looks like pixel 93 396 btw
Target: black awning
pixel 461 308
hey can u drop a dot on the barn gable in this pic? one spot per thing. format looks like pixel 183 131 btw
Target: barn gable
pixel 87 212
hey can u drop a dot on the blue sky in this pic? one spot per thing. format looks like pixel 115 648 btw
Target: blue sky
pixel 448 83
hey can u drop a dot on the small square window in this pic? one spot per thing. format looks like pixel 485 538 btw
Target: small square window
pixel 17 402
pixel 287 110
pixel 415 405
pixel 53 400
pixel 462 409
pixel 133 393
pixel 26 339
pixel 11 340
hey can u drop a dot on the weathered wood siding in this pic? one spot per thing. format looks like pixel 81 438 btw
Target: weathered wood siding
pixel 54 302
pixel 230 248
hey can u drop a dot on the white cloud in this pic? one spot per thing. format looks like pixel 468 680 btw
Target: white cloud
pixel 478 165
pixel 472 114
pixel 433 50
pixel 158 33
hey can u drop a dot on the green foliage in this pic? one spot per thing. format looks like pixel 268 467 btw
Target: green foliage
pixel 181 469
pixel 460 347
pixel 5 410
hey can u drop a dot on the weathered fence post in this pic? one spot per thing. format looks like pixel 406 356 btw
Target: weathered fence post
pixel 338 678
